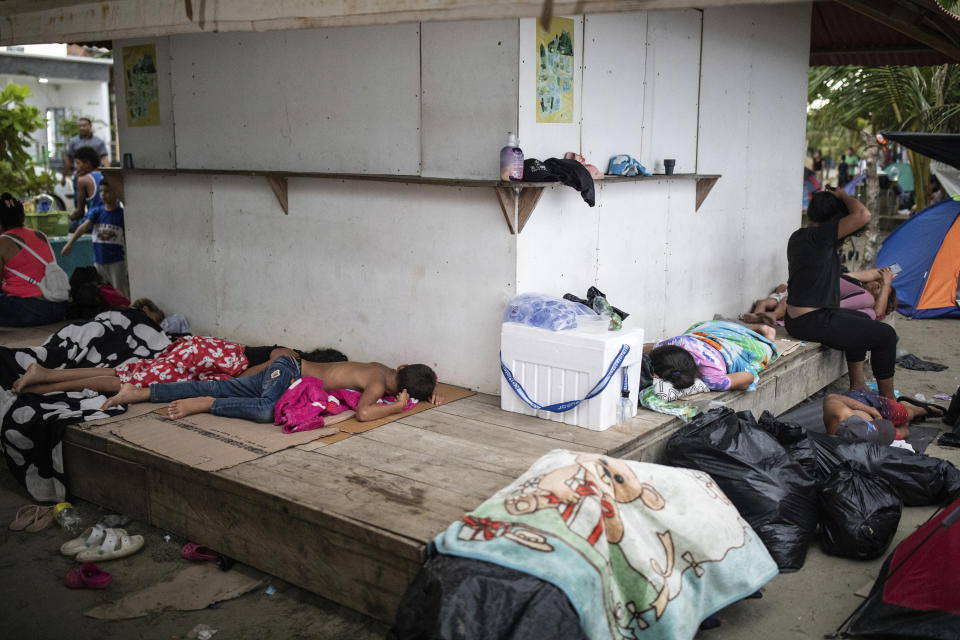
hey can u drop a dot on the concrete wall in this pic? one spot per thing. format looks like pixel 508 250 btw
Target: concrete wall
pixel 407 272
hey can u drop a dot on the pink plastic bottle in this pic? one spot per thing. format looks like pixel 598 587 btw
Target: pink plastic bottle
pixel 511 160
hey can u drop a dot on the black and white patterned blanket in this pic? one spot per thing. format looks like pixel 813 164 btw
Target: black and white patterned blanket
pixel 33 425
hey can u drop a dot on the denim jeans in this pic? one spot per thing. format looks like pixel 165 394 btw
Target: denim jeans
pixel 251 398
pixel 29 312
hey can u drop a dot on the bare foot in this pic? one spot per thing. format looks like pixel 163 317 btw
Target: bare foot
pixel 183 408
pixel 767 332
pixel 768 318
pixel 35 374
pixel 751 318
pixel 913 411
pixel 128 394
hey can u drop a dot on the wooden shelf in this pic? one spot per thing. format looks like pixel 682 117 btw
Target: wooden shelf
pixel 517 200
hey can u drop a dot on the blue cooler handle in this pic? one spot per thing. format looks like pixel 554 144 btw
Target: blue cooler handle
pixel 560 407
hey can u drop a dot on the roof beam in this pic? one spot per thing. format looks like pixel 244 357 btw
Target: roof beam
pixel 35 21
pixel 893 19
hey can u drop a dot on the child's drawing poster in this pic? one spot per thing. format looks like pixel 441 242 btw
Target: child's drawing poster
pixel 140 83
pixel 555 71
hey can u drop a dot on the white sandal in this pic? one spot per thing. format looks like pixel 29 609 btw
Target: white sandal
pixel 91 537
pixel 116 544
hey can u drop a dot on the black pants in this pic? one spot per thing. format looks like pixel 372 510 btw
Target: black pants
pixel 852 332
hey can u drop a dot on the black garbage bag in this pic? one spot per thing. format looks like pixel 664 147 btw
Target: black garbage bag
pixel 454 598
pixel 771 490
pixel 915 478
pixel 793 437
pixel 859 513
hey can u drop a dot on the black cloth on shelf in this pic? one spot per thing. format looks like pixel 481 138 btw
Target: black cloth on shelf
pixel 573 174
pixel 911 361
pixel 570 172
pixel 534 171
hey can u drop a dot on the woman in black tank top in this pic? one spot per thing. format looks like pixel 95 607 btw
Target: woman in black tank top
pixel 813 303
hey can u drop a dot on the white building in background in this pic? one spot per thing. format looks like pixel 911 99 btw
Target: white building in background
pixel 61 86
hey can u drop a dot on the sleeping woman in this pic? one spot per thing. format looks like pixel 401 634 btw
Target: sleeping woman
pixel 724 355
pixel 187 358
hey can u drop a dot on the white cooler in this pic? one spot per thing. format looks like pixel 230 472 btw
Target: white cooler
pixel 562 366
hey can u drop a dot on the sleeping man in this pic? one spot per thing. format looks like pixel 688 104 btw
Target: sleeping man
pixel 255 396
pixel 867 415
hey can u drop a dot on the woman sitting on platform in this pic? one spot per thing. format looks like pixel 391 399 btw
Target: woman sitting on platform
pixel 724 355
pixel 21 302
pixel 813 307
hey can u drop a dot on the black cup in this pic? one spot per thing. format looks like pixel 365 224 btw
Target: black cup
pixel 668 166
pixel 128 161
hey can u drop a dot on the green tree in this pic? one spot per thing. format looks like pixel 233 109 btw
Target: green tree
pixel 18 121
pixel 868 100
pixel 953 6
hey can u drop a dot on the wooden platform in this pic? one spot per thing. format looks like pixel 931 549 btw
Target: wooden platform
pixel 350 521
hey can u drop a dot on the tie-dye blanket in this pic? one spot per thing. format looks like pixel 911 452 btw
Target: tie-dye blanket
pixel 642 551
pixel 742 349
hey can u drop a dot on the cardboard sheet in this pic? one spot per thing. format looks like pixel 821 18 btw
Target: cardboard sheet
pixel 785 346
pixel 192 588
pixel 212 443
pixel 133 411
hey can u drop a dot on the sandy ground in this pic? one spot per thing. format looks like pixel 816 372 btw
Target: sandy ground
pixel 35 604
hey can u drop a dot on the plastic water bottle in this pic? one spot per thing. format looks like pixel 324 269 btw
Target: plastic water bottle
pixel 511 160
pixel 67 517
pixel 626 407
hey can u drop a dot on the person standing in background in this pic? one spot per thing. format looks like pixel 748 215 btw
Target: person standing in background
pixel 818 165
pixel 106 220
pixel 852 161
pixel 87 194
pixel 84 138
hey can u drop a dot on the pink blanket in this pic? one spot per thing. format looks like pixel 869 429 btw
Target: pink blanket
pixel 305 404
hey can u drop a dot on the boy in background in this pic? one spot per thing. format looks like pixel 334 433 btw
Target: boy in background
pixel 106 220
pixel 87 194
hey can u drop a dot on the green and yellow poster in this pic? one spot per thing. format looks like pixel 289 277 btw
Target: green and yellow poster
pixel 555 71
pixel 140 84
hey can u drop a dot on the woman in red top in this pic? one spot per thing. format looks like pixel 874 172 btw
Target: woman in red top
pixel 21 303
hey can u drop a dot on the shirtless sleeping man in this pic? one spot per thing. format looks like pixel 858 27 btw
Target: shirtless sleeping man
pixel 871 416
pixel 254 397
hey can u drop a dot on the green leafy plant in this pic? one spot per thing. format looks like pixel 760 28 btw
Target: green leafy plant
pixel 18 121
pixel 853 99
pixel 953 6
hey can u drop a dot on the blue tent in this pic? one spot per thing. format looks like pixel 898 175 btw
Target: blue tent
pixel 927 247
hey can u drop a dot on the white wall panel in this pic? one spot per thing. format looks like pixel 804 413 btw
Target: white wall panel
pixel 672 76
pixel 633 244
pixel 469 72
pixel 170 246
pixel 752 123
pixel 151 147
pixel 542 139
pixel 389 272
pixel 341 100
pixel 613 85
pixel 557 250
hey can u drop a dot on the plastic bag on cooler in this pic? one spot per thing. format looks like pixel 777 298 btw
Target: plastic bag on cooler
pixel 545 312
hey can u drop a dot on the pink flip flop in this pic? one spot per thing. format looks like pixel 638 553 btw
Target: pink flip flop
pixel 199 553
pixel 87 576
